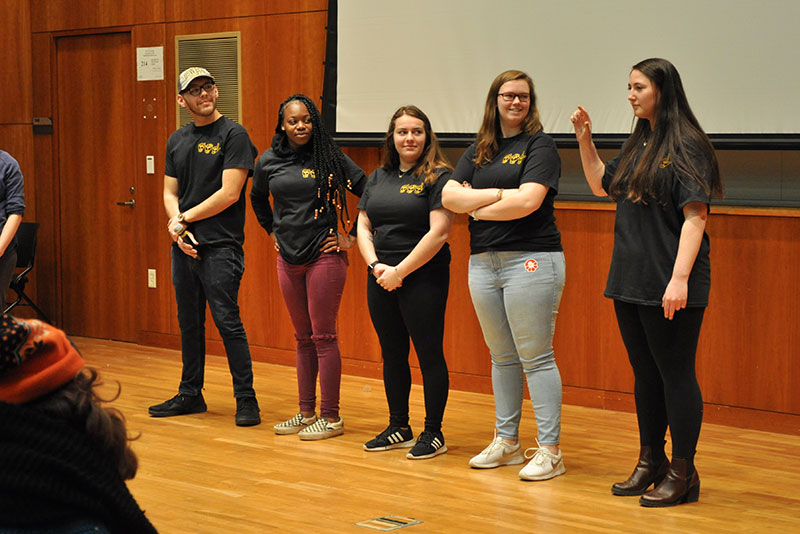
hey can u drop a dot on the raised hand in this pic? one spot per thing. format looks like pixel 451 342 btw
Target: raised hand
pixel 582 123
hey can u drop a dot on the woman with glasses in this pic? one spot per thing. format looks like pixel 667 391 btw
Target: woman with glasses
pixel 308 176
pixel 507 181
pixel 662 182
pixel 402 233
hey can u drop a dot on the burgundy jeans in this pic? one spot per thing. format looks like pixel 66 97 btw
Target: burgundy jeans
pixel 312 292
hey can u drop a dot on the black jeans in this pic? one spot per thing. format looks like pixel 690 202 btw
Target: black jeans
pixel 662 354
pixel 213 278
pixel 415 309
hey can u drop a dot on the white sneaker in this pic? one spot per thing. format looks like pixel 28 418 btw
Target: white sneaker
pixel 498 453
pixel 322 429
pixel 543 465
pixel 294 425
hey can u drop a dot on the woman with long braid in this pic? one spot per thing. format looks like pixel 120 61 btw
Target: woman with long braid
pixel 308 176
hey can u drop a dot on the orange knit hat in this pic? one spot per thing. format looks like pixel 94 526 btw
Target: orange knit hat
pixel 35 359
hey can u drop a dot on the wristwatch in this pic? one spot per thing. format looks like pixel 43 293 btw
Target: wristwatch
pixel 178 229
pixel 372 265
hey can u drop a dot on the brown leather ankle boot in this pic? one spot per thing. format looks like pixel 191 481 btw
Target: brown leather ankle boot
pixel 644 474
pixel 675 489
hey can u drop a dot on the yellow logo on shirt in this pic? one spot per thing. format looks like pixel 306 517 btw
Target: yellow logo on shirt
pixel 208 148
pixel 412 189
pixel 514 159
pixel 666 162
pixel 308 173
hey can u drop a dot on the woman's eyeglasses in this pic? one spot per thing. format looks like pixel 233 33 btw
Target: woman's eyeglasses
pixel 509 97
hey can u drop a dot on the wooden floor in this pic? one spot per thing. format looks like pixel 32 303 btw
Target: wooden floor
pixel 201 474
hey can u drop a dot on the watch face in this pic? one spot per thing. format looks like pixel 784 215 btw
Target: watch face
pixel 178 228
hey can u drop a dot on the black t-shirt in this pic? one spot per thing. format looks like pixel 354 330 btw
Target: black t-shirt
pixel 646 238
pixel 399 211
pixel 520 159
pixel 196 156
pixel 290 181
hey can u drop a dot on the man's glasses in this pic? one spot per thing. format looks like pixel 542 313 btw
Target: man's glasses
pixel 509 97
pixel 207 87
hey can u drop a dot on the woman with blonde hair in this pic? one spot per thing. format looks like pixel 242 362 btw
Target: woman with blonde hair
pixel 507 181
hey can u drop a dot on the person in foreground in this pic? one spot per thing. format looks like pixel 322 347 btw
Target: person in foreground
pixel 662 182
pixel 402 234
pixel 208 162
pixel 64 458
pixel 308 177
pixel 507 181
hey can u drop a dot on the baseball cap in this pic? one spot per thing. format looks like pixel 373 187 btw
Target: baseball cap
pixel 190 74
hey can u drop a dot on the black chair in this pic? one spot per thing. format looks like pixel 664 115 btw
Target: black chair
pixel 26 250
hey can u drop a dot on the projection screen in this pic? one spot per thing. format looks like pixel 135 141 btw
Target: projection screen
pixel 738 60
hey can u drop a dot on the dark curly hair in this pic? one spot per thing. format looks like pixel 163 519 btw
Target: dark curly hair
pixel 78 404
pixel 330 167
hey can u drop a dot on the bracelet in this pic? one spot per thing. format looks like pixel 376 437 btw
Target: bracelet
pixel 182 217
pixel 500 194
pixel 372 265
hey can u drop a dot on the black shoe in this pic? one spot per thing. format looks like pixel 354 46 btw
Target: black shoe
pixel 247 412
pixel 394 437
pixel 429 444
pixel 180 404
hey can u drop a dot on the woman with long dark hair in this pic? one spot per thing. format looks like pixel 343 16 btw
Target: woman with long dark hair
pixel 507 181
pixel 662 182
pixel 308 177
pixel 402 233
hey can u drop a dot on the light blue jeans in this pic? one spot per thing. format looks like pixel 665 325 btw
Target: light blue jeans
pixel 516 297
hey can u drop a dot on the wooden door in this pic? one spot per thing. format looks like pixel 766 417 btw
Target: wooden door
pixel 100 249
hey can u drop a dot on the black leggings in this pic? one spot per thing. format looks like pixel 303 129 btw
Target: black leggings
pixel 662 354
pixel 415 309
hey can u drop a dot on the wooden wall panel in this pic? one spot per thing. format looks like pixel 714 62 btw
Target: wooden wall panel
pixel 62 15
pixel 15 62
pixel 465 349
pixel 152 101
pixel 178 11
pixel 588 346
pixel 749 353
pixel 356 335
pixel 46 200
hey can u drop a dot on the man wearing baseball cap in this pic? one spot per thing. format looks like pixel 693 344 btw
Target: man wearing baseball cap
pixel 207 165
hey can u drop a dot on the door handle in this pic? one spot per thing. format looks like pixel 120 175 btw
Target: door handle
pixel 131 203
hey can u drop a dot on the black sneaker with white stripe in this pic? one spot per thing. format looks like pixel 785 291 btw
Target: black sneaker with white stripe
pixel 394 437
pixel 429 444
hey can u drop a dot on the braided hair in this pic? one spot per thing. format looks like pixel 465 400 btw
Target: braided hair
pixel 330 167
